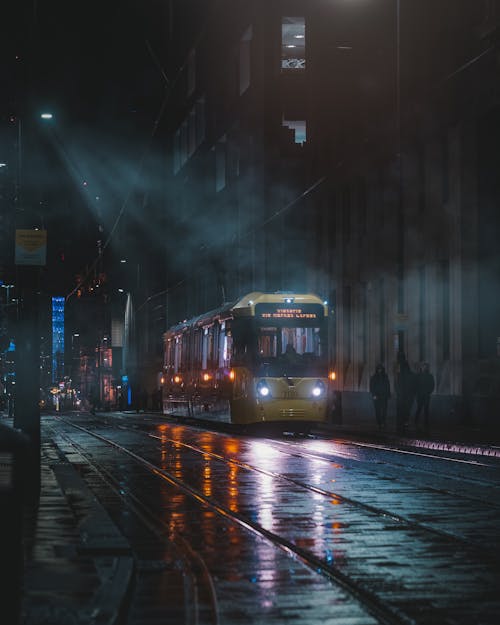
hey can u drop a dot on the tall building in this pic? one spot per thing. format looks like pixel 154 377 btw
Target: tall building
pixel 350 149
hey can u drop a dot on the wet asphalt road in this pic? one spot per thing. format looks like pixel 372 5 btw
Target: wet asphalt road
pixel 228 528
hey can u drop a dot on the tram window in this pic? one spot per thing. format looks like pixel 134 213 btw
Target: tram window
pixel 210 347
pixel 228 350
pixel 317 346
pixel 185 350
pixel 204 349
pixel 168 361
pixel 268 344
pixel 196 340
pixel 215 345
pixel 225 346
pixel 178 352
pixel 303 340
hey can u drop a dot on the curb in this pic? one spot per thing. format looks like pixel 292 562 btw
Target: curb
pixel 458 448
pixel 475 449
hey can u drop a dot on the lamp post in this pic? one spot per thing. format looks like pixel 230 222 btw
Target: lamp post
pixel 29 257
pixel 75 359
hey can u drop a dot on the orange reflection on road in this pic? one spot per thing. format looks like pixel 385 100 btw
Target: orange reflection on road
pixel 231 447
pixel 233 491
pixel 207 480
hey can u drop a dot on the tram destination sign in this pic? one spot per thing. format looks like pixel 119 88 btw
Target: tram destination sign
pixel 290 312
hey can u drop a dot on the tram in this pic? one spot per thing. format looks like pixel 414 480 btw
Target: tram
pixel 260 359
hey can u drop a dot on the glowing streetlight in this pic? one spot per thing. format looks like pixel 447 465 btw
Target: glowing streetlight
pixel 46 116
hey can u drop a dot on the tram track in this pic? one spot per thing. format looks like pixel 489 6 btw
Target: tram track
pixel 200 599
pixel 414 525
pixel 331 455
pixel 327 458
pixel 465 542
pixel 376 606
pixel 345 455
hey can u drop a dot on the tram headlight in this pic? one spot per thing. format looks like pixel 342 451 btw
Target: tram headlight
pixel 318 389
pixel 263 389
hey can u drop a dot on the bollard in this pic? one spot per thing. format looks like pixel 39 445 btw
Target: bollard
pixel 13 454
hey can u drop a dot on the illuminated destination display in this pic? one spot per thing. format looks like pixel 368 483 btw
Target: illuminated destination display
pixel 305 312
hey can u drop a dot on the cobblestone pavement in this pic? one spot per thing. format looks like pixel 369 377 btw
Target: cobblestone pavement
pixel 223 528
pixel 418 533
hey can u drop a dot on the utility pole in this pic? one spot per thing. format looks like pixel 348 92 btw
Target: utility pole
pixel 30 255
pixel 27 367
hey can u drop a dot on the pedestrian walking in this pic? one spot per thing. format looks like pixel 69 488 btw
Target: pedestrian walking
pixel 405 394
pixel 425 385
pixel 380 390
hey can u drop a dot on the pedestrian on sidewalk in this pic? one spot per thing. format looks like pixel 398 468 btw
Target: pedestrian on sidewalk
pixel 425 385
pixel 380 390
pixel 405 393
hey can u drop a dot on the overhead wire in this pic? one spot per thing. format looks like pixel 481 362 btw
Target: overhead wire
pixel 170 84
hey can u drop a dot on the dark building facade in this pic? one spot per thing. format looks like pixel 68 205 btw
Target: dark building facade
pixel 349 149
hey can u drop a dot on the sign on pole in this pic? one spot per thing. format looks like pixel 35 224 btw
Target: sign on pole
pixel 31 247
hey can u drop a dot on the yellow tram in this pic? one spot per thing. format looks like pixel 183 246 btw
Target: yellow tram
pixel 261 359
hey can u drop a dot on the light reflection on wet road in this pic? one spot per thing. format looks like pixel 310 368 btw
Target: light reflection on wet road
pixel 422 575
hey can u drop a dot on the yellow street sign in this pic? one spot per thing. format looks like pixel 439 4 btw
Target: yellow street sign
pixel 31 247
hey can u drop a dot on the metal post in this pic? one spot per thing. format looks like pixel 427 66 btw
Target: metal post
pixel 26 405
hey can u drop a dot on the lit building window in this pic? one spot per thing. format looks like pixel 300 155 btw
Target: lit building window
pixel 293 43
pixel 298 128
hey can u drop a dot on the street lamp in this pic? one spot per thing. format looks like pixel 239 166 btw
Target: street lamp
pixel 27 408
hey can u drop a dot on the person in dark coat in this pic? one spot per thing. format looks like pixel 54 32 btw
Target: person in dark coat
pixel 405 394
pixel 380 390
pixel 424 387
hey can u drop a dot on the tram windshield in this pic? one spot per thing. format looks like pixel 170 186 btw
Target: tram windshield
pixel 281 349
pixel 290 351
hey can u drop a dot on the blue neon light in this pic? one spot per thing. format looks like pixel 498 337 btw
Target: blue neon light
pixel 57 338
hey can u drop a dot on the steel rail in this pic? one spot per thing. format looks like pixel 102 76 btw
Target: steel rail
pixel 385 614
pixel 154 524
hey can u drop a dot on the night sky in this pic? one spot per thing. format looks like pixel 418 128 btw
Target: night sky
pixel 94 66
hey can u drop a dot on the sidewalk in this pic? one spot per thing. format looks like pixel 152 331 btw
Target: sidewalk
pixel 456 439
pixel 78 567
